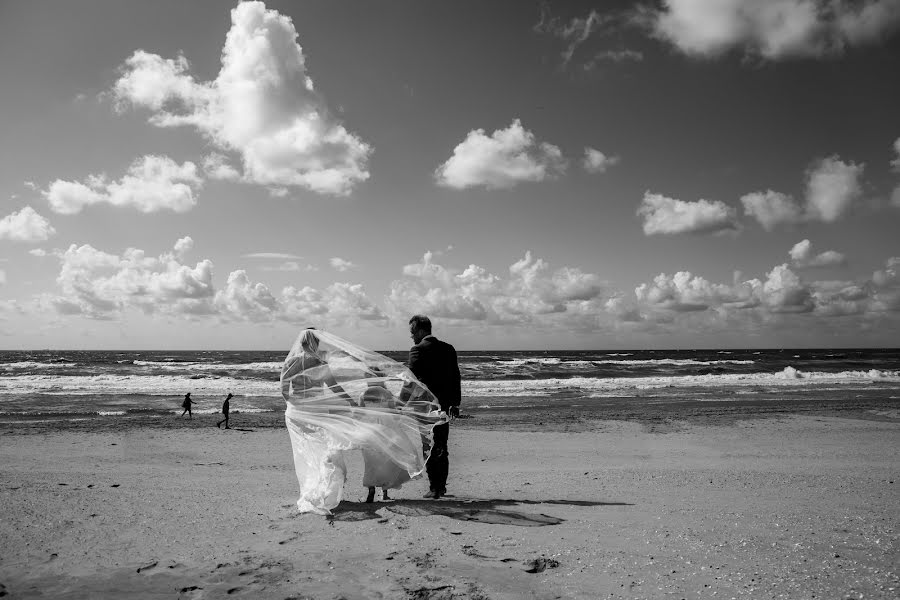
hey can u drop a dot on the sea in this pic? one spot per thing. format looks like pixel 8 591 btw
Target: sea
pixel 54 385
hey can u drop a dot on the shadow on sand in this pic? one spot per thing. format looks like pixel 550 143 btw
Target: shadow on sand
pixel 482 511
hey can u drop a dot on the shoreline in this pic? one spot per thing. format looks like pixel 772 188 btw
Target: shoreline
pixel 650 412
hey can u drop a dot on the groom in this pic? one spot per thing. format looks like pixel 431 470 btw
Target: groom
pixel 434 363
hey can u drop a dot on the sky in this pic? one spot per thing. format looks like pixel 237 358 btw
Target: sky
pixel 531 175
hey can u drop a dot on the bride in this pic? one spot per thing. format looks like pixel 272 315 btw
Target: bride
pixel 342 397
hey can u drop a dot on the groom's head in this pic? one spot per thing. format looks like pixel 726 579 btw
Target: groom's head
pixel 419 327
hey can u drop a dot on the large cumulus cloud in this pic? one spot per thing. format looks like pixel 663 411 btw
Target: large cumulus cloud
pixel 262 106
pixel 531 292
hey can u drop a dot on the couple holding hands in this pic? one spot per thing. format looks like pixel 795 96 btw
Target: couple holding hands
pixel 341 397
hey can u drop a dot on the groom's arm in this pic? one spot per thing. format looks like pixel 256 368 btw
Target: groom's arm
pixel 455 384
pixel 406 390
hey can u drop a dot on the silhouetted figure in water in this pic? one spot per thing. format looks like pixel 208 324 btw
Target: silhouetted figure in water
pixel 186 405
pixel 225 408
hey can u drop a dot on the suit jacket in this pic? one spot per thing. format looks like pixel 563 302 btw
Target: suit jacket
pixel 434 363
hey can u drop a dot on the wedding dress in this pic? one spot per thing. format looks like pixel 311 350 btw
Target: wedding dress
pixel 341 397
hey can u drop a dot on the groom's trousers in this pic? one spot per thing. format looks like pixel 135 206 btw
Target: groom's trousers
pixel 438 465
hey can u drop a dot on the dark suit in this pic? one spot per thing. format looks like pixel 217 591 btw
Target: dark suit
pixel 435 364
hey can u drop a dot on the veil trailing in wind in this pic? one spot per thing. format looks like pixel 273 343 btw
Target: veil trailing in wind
pixel 342 397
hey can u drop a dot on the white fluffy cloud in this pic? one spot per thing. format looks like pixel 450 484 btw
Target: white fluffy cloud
pixel 772 209
pixel 215 166
pixel 152 183
pixel 242 299
pixel 832 188
pixel 783 292
pixel 262 106
pixel 25 226
pixel 773 29
pixel 336 304
pixel 100 285
pixel 339 264
pixel 530 293
pixel 597 162
pixel 502 160
pixel 664 215
pixel 802 256
pixel 685 292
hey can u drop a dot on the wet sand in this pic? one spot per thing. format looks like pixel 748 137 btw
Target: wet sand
pixel 707 501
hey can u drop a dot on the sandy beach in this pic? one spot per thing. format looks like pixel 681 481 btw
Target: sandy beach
pixel 787 506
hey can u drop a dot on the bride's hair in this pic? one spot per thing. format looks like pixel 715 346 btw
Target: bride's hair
pixel 310 341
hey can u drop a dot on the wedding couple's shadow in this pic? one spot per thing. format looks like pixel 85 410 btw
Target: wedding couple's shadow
pixel 462 509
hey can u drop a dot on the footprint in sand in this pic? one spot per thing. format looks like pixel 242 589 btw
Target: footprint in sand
pixel 147 567
pixel 539 565
pixel 234 590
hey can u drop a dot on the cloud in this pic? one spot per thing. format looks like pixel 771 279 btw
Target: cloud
pixel 885 286
pixel 772 209
pixel 25 226
pixel 832 188
pixel 783 291
pixel 502 160
pixel 339 264
pixel 613 56
pixel 275 255
pixel 37 252
pixel 685 292
pixel 335 304
pixel 597 162
pixel 803 257
pixel 153 183
pixel 2 277
pixel 242 299
pixel 530 293
pixel 574 33
pixel 290 266
pixel 262 105
pixel 101 285
pixel 216 167
pixel 773 29
pixel 664 215
pixel 895 164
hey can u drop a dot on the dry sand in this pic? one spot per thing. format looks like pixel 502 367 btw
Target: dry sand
pixel 781 507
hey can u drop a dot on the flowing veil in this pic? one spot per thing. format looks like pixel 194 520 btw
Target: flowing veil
pixel 342 397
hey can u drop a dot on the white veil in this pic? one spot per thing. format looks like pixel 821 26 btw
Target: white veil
pixel 342 397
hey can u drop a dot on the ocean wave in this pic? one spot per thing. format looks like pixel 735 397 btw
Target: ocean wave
pixel 177 385
pixel 592 385
pixel 154 385
pixel 680 362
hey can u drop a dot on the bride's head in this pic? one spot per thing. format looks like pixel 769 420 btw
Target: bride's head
pixel 309 341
